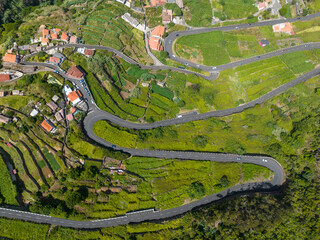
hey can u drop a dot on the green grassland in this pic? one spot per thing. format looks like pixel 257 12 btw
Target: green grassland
pixel 7 188
pixel 215 48
pixel 233 9
pixel 197 13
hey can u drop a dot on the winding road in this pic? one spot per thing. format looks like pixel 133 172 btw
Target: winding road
pixel 95 114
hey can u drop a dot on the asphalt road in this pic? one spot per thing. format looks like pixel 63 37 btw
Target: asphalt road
pixel 95 114
pixel 170 39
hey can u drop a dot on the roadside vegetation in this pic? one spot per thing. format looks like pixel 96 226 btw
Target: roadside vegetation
pixel 218 47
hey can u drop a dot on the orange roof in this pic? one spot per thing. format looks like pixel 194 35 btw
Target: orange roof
pixel 73 39
pixel 57 30
pixel 4 77
pixel 262 5
pixel 54 59
pixel 155 3
pixel 45 32
pixel 276 28
pixel 283 27
pixel 10 58
pixel 158 31
pixel 54 36
pixel 147 6
pixel 46 125
pixel 88 52
pixel 75 72
pixel 44 40
pixel 73 96
pixel 73 109
pixel 64 36
pixel 155 44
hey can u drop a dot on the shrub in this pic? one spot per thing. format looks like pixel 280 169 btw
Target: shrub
pixel 200 141
pixel 196 190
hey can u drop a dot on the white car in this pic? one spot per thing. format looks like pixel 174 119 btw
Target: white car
pixel 173 56
pixel 179 116
pixel 214 68
pixel 264 160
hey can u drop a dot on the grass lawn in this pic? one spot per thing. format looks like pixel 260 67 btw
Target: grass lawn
pixel 7 189
pixel 198 13
pixel 104 130
pixel 52 161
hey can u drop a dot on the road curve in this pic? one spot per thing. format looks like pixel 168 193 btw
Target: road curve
pixel 96 114
pixel 170 39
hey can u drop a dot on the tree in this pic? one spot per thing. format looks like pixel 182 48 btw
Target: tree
pixel 200 141
pixel 72 198
pixel 196 190
pixel 224 181
pixel 283 11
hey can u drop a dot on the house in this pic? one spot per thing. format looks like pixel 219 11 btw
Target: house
pixel 55 98
pixel 4 77
pixel 180 3
pixel 132 21
pixel 64 37
pixel 89 52
pixel 34 112
pixel 24 47
pixel 161 84
pixel 41 28
pixel 45 33
pixel 155 44
pixel 75 72
pixel 121 1
pixel 61 113
pixel 44 41
pixel 60 56
pixel 264 43
pixel 69 117
pixel 74 97
pixel 155 3
pixel 54 60
pixel 166 16
pixel 58 116
pixel 12 58
pixel 73 39
pixel 158 31
pixel 283 27
pixel 57 30
pixel 52 106
pixel 54 36
pixel 15 92
pixel 144 84
pixel 3 93
pixel 262 6
pixel 48 126
pixel 4 119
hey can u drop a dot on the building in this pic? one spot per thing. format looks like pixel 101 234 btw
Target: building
pixel 52 106
pixel 44 41
pixel 45 33
pixel 75 72
pixel 55 98
pixel 34 112
pixel 4 77
pixel 264 43
pixel 180 3
pixel 89 52
pixel 12 58
pixel 64 37
pixel 48 126
pixel 69 117
pixel 158 31
pixel 166 16
pixel 54 36
pixel 73 39
pixel 155 3
pixel 74 97
pixel 121 1
pixel 4 119
pixel 132 21
pixel 54 60
pixel 3 93
pixel 155 44
pixel 262 6
pixel 283 28
pixel 58 116
pixel 57 30
pixel 15 92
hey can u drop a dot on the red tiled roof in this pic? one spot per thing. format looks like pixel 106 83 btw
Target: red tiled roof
pixel 155 44
pixel 46 125
pixel 158 31
pixel 73 109
pixel 64 36
pixel 88 52
pixel 73 39
pixel 54 36
pixel 54 60
pixel 44 40
pixel 4 77
pixel 73 96
pixel 57 30
pixel 10 58
pixel 45 32
pixel 69 117
pixel 75 72
pixel 155 3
